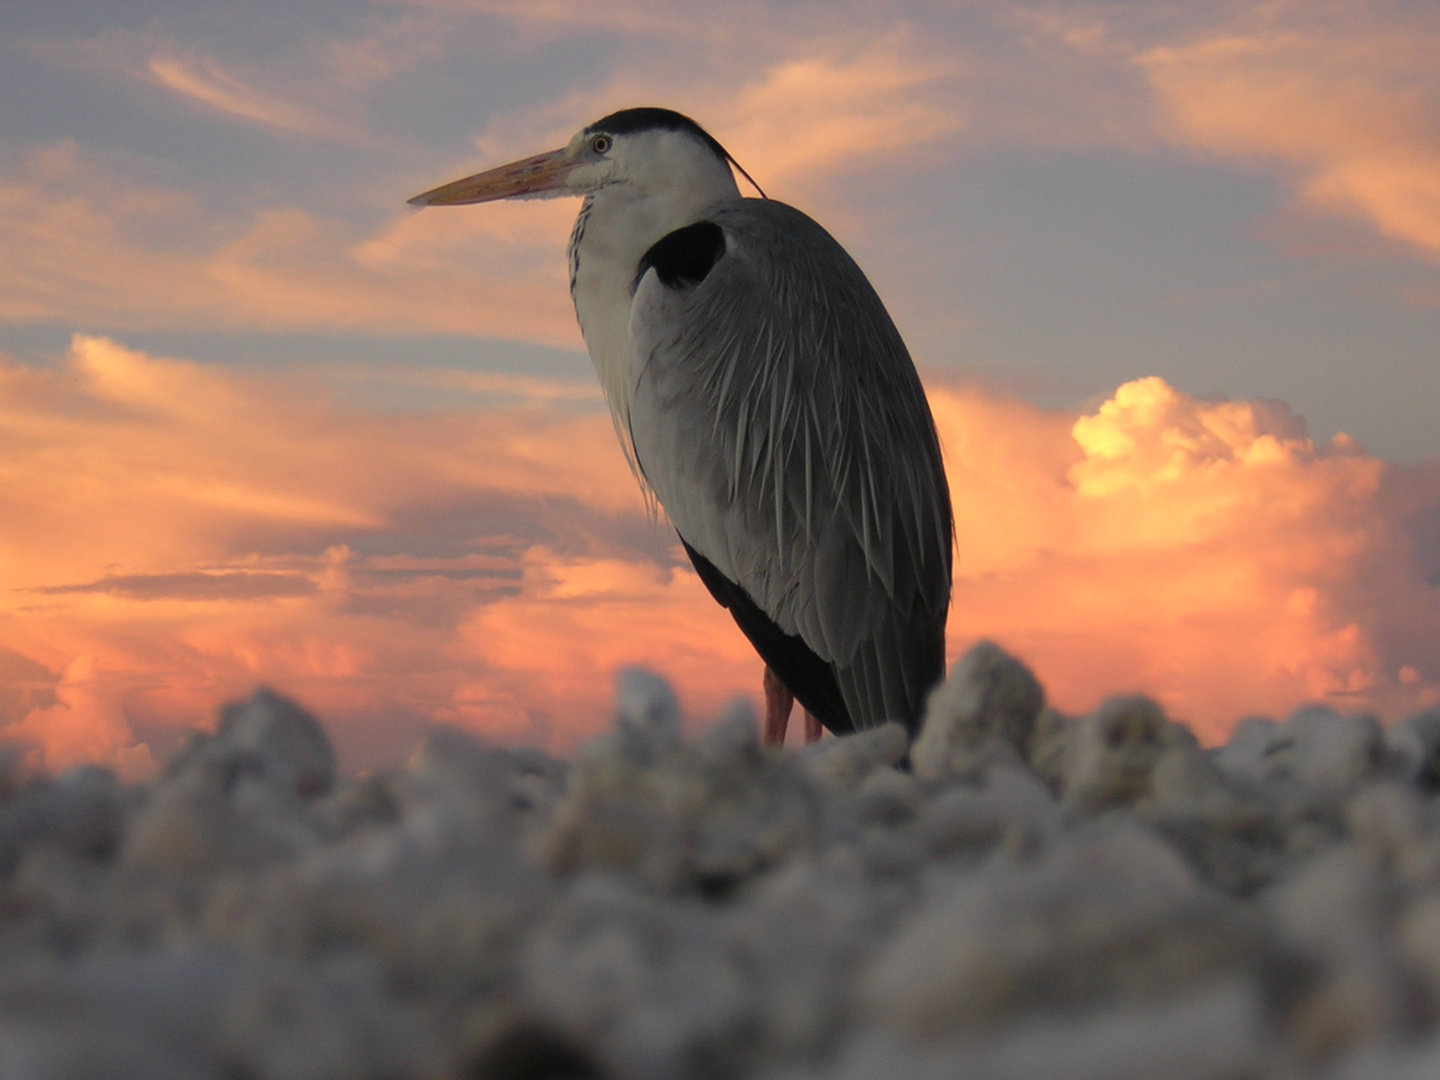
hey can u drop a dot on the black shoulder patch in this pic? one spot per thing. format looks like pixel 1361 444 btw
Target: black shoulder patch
pixel 800 668
pixel 682 259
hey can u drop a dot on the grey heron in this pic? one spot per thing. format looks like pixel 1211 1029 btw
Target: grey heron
pixel 762 393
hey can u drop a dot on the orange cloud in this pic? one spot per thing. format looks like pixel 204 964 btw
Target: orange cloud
pixel 1206 552
pixel 634 16
pixel 176 534
pixel 556 643
pixel 89 240
pixel 1349 102
pixel 202 80
pixel 296 98
pixel 82 727
pixel 836 110
pixel 824 107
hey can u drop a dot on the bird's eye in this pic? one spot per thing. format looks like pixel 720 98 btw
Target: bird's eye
pixel 600 144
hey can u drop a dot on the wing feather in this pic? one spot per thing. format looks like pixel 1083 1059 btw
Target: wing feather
pixel 777 416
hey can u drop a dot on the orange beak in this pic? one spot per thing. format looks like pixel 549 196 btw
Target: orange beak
pixel 529 176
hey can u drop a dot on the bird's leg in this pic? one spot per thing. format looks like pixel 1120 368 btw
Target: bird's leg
pixel 813 730
pixel 778 703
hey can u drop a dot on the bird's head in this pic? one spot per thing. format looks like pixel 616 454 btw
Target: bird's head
pixel 652 152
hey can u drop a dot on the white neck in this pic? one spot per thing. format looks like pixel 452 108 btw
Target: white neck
pixel 662 181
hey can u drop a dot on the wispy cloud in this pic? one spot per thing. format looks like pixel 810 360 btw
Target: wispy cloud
pixel 649 19
pixel 1347 101
pixel 202 80
pixel 383 49
pixel 267 96
pixel 821 108
pixel 87 242
pixel 810 117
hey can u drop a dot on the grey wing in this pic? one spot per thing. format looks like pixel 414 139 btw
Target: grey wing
pixel 780 422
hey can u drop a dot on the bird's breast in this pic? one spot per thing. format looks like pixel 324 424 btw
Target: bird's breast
pixel 602 268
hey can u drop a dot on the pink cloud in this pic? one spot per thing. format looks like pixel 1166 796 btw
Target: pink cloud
pixel 1206 552
pixel 202 80
pixel 87 240
pixel 837 109
pixel 289 97
pixel 1346 98
pixel 94 239
pixel 90 240
pixel 82 727
pixel 177 534
pixel 795 112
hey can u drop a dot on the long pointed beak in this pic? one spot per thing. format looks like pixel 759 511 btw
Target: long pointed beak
pixel 529 176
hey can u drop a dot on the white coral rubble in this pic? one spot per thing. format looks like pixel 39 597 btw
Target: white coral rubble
pixel 1015 894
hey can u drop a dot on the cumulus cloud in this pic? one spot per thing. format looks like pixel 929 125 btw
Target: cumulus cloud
pixel 177 534
pixel 1207 552
pixel 83 726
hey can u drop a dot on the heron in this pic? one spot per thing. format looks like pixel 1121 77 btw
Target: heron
pixel 763 396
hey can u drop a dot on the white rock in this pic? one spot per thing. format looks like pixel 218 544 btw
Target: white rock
pixel 844 762
pixel 1316 752
pixel 1333 897
pixel 677 816
pixel 1395 824
pixel 1216 1032
pixel 650 983
pixel 1041 897
pixel 455 786
pixel 801 935
pixel 1406 1061
pixel 1337 909
pixel 1415 744
pixel 734 738
pixel 645 704
pixel 266 741
pixel 1418 940
pixel 187 832
pixel 985 711
pixel 1116 752
pixel 81 812
pixel 1011 809
pixel 286 1023
pixel 1113 915
pixel 888 797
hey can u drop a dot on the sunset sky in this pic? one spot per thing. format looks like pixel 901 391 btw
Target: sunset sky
pixel 1171 273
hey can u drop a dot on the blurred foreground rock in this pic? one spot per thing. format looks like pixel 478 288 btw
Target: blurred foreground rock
pixel 1016 895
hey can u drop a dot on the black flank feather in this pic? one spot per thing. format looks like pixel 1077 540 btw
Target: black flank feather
pixel 799 667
